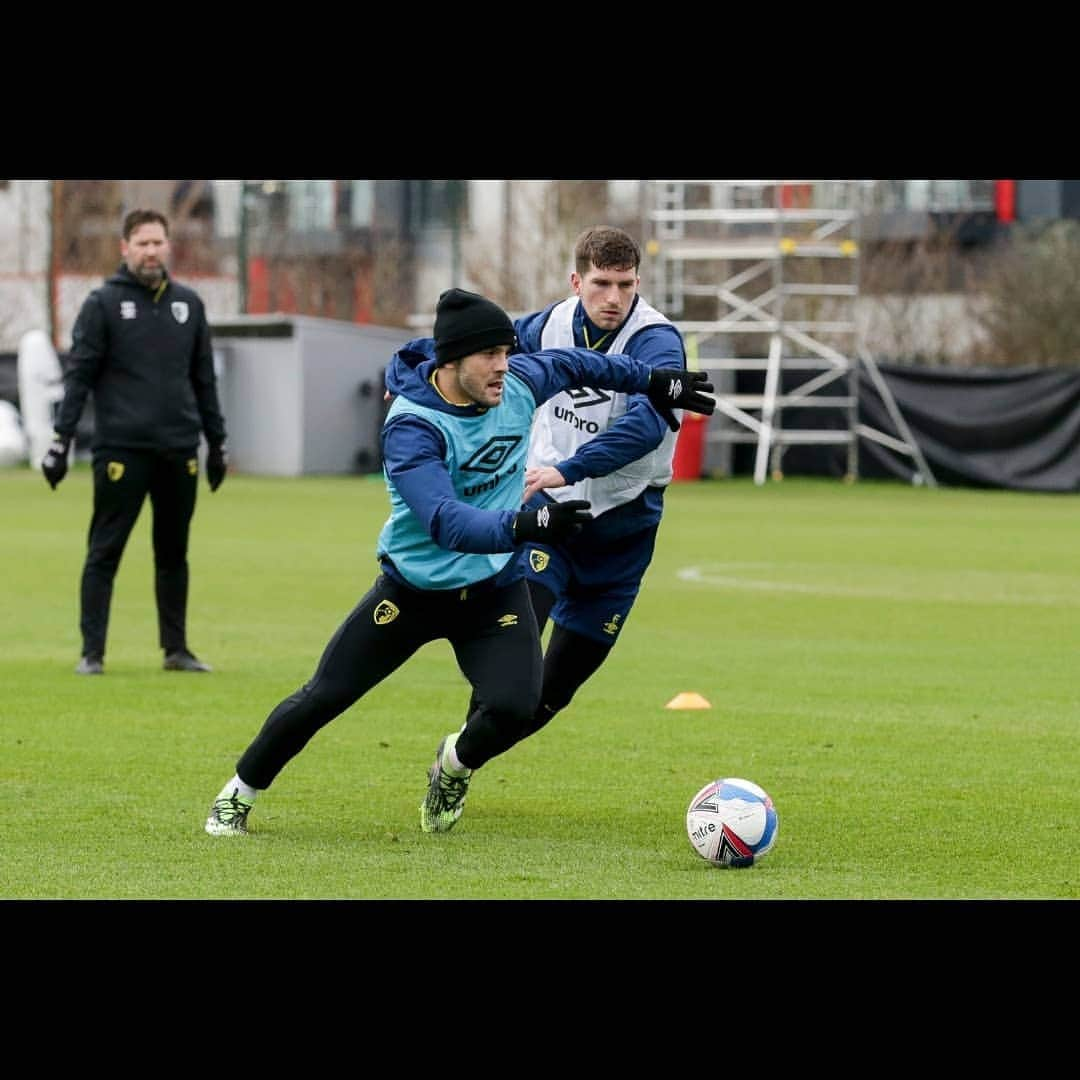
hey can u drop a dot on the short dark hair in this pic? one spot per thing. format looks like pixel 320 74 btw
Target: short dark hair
pixel 143 217
pixel 606 248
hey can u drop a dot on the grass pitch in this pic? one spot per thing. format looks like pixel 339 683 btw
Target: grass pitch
pixel 895 666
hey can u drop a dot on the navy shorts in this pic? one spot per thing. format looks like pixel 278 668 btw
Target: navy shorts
pixel 594 585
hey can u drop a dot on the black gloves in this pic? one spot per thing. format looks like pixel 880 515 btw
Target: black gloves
pixel 551 523
pixel 216 463
pixel 673 388
pixel 55 462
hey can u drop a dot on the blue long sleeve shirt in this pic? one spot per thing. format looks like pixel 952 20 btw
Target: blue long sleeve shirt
pixel 456 474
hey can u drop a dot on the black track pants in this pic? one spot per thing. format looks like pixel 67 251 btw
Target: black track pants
pixel 569 661
pixel 122 480
pixel 494 637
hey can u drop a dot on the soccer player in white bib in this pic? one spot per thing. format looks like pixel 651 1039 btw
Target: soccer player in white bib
pixel 609 448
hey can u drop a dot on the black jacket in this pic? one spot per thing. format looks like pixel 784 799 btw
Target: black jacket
pixel 146 355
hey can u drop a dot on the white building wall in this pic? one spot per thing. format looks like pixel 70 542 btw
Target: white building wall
pixel 486 209
pixel 24 256
pixel 24 225
pixel 940 327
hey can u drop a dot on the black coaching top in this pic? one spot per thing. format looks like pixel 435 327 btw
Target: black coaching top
pixel 146 355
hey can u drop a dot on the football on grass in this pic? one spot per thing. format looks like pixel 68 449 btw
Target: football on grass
pixel 731 822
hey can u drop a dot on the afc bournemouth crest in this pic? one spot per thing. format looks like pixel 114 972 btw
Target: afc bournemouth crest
pixel 538 560
pixel 114 470
pixel 385 612
pixel 180 311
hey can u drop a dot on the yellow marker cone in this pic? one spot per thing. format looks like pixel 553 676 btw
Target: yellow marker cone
pixel 688 701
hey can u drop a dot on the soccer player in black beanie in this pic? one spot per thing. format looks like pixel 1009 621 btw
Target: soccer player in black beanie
pixel 466 322
pixel 454 443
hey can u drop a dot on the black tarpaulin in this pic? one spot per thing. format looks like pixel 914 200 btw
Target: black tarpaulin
pixel 1016 428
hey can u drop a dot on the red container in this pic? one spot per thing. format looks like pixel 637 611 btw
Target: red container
pixel 689 461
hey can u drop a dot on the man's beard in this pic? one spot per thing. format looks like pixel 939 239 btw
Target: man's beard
pixel 150 276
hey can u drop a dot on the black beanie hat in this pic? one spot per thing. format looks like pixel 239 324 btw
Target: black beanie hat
pixel 466 323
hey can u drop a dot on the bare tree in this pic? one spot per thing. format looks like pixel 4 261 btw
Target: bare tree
pixel 919 299
pixel 339 272
pixel 528 265
pixel 88 214
pixel 1030 313
pixel 388 287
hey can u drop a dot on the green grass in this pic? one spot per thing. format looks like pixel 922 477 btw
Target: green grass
pixel 896 666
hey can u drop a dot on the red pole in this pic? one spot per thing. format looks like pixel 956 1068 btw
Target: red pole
pixel 689 460
pixel 1005 199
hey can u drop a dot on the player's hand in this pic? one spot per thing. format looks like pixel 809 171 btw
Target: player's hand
pixel 674 388
pixel 217 462
pixel 539 478
pixel 551 523
pixel 55 462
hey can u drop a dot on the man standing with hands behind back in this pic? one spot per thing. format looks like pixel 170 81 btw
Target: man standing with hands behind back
pixel 141 343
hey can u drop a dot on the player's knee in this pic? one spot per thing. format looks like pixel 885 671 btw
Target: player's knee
pixel 559 690
pixel 514 710
pixel 104 560
pixel 325 697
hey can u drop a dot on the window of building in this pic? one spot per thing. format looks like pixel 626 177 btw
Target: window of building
pixel 932 196
pixel 361 203
pixel 624 198
pixel 311 205
pixel 227 207
pixel 438 203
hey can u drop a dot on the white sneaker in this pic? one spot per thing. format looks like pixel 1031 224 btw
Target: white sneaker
pixel 229 814
pixel 445 799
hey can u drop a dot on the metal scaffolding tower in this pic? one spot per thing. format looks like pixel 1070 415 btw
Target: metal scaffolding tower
pixel 763 275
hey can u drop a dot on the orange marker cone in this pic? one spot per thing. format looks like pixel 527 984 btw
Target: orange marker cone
pixel 688 700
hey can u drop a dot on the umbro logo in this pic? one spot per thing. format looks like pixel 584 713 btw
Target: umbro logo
pixel 508 620
pixel 492 454
pixel 584 396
